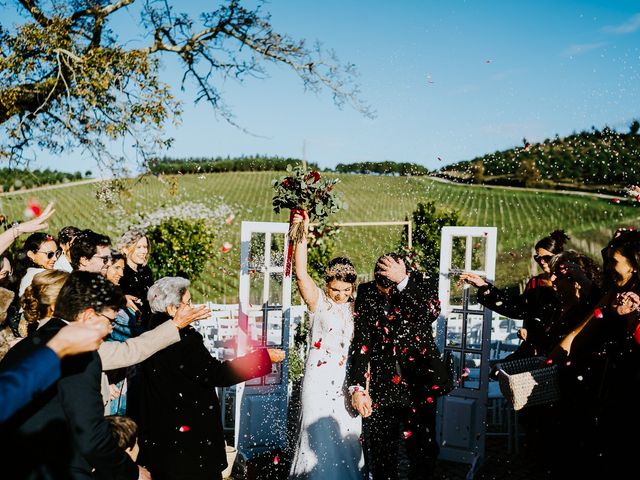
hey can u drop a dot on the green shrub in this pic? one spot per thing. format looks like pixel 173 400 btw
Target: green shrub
pixel 180 247
pixel 428 221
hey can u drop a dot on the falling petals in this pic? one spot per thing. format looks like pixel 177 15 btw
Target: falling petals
pixel 317 344
pixel 276 460
pixel 598 313
pixel 396 379
pixel 321 362
pixel 407 434
pixel 429 399
pixel 364 349
pixel 229 219
pixel 184 428
pixel 226 246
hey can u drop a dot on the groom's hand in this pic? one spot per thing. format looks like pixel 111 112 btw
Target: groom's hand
pixel 361 401
pixel 394 270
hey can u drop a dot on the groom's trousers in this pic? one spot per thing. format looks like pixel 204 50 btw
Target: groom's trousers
pixel 401 438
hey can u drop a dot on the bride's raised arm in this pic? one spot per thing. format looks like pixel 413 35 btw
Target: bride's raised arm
pixel 306 285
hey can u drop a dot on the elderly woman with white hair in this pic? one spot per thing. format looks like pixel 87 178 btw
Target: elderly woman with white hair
pixel 181 424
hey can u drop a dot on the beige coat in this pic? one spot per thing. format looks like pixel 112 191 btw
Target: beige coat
pixel 135 350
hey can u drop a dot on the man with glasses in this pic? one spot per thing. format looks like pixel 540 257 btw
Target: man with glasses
pixel 91 252
pixel 63 434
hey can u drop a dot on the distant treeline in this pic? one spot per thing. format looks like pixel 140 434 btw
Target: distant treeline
pixel 167 165
pixel 15 179
pixel 257 163
pixel 596 157
pixel 382 168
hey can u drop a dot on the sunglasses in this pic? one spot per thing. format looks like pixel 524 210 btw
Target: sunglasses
pixel 52 253
pixel 105 259
pixel 543 258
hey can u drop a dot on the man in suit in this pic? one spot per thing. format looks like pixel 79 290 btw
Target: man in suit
pixel 62 433
pixel 393 349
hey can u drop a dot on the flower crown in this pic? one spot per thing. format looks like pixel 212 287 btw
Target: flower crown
pixel 340 270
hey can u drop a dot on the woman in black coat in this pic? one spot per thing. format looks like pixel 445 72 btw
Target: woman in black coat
pixel 181 427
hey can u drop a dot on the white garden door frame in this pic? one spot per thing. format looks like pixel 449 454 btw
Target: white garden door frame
pixel 263 320
pixel 463 332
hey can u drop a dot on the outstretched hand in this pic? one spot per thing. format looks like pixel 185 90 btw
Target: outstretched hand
pixel 276 355
pixel 626 303
pixel 38 223
pixel 473 279
pixel 186 314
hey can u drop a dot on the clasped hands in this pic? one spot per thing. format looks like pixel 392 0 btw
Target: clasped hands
pixel 361 401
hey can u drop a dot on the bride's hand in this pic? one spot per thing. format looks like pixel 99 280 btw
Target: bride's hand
pixel 361 401
pixel 301 218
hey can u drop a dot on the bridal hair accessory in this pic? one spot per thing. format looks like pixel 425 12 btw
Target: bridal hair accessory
pixel 340 270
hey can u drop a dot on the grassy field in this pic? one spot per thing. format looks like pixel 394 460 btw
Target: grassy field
pixel 522 217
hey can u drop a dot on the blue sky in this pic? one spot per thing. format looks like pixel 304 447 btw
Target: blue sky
pixel 448 79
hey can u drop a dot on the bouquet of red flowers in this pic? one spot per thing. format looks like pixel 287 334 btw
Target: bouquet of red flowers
pixel 304 189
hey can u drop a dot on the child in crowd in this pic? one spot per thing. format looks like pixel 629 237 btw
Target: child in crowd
pixel 125 431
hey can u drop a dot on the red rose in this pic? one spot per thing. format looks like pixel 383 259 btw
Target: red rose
pixel 315 175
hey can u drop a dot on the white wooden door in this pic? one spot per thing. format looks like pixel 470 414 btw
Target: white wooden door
pixel 263 320
pixel 463 333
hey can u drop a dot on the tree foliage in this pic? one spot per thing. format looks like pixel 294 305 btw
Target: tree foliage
pixel 428 221
pixel 596 157
pixel 254 163
pixel 69 79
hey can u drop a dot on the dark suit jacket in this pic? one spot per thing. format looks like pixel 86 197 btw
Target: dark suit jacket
pixel 181 425
pixel 398 343
pixel 62 434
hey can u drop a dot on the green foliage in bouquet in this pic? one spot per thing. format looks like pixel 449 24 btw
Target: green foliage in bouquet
pixel 306 189
pixel 427 226
pixel 180 247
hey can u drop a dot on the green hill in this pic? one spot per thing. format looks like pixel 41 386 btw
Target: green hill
pixel 600 160
pixel 522 217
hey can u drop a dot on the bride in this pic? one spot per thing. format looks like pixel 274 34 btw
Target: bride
pixel 328 445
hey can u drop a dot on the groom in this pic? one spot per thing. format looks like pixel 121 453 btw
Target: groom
pixel 393 349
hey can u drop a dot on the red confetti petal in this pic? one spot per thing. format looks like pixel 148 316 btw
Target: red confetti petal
pixel 429 399
pixel 435 387
pixel 598 313
pixel 184 428
pixel 396 379
pixel 317 344
pixel 616 200
pixel 276 460
pixel 229 219
pixel 636 334
pixel 321 362
pixel 407 434
pixel 226 246
pixel 364 349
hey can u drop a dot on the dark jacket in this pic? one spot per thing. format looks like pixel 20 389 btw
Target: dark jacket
pixel 396 339
pixel 537 306
pixel 62 434
pixel 137 283
pixel 181 425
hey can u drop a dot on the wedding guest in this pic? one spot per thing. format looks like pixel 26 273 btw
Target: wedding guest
pixel 90 252
pixel 125 431
pixel 41 368
pixel 63 434
pixel 38 253
pixel 329 430
pixel 536 305
pixel 181 425
pixel 65 237
pixel 137 277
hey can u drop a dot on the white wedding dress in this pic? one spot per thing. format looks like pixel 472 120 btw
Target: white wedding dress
pixel 329 442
